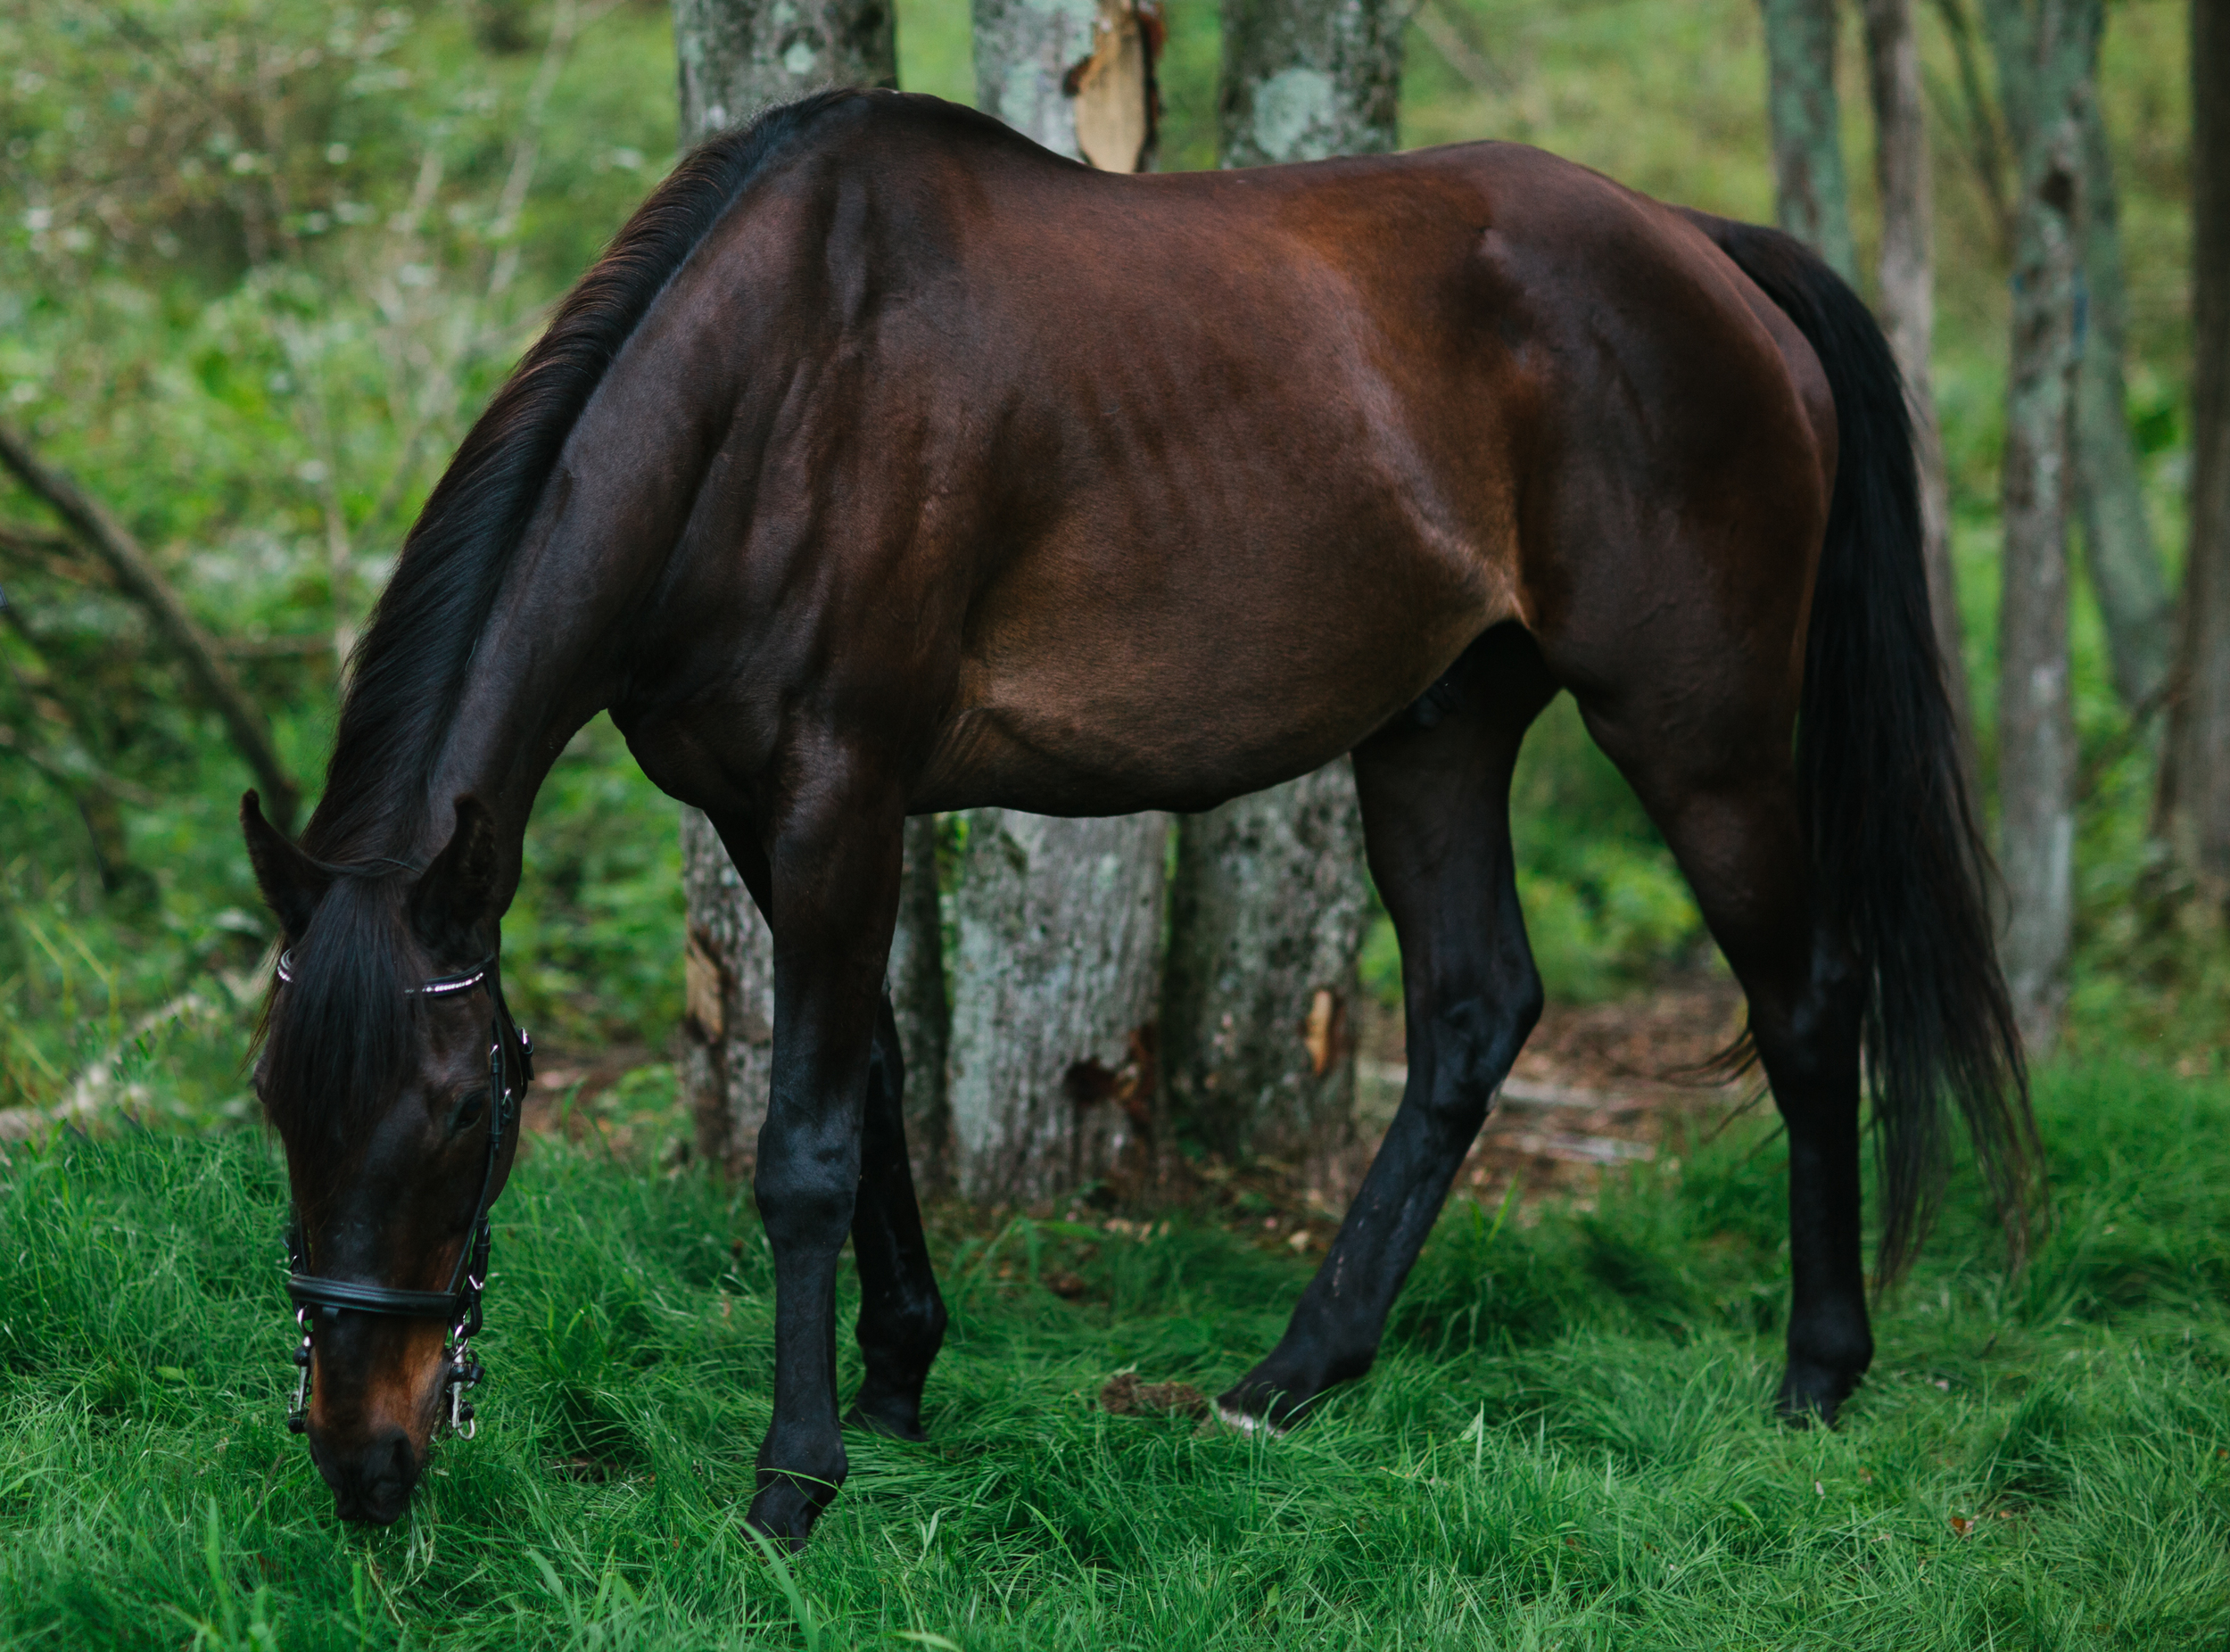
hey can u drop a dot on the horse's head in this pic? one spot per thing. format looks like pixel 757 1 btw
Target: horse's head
pixel 392 1074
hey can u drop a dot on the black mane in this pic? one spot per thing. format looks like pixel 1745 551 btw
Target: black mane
pixel 338 1038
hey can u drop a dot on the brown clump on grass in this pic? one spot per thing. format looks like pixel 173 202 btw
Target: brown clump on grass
pixel 1124 1395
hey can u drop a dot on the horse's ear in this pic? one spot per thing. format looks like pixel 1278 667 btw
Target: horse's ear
pixel 456 894
pixel 293 884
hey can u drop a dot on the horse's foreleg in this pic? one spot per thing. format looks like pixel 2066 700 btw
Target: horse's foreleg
pixel 834 886
pixel 902 1315
pixel 1435 796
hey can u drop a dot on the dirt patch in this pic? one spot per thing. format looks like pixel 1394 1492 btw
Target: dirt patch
pixel 580 1096
pixel 1597 1087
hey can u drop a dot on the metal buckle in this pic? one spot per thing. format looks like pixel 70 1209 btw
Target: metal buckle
pixel 298 1419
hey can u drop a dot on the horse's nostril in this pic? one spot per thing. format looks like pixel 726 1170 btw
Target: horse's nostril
pixel 373 1486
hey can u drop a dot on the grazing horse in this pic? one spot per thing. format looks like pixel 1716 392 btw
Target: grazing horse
pixel 887 463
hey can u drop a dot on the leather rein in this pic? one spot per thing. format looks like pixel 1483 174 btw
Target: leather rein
pixel 510 1069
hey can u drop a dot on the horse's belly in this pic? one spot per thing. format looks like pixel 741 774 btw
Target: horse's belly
pixel 1076 706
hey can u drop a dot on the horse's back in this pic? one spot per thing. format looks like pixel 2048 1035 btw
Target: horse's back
pixel 1178 484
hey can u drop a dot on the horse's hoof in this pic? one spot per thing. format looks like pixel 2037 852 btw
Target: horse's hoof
pixel 783 1513
pixel 1813 1393
pixel 1274 1397
pixel 893 1422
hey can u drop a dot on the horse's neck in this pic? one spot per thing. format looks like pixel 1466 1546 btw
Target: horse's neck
pixel 522 702
pixel 547 659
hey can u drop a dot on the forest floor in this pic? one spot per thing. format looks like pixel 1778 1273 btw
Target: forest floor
pixel 1565 1441
pixel 1597 1086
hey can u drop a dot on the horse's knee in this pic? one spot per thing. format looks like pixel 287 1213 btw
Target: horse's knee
pixel 804 1201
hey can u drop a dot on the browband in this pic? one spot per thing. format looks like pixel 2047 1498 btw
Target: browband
pixel 441 985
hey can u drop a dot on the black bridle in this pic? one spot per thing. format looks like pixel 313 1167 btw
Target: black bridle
pixel 510 1055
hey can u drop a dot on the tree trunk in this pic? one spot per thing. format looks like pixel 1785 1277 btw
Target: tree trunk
pixel 1267 917
pixel 1075 75
pixel 738 57
pixel 2195 779
pixel 917 994
pixel 2125 566
pixel 2044 63
pixel 1985 143
pixel 1270 897
pixel 728 1029
pixel 1307 78
pixel 1053 1066
pixel 1907 304
pixel 1051 1071
pixel 1810 199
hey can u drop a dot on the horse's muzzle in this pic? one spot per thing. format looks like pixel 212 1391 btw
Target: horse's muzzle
pixel 372 1481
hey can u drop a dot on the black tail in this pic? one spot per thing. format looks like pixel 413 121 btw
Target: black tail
pixel 1899 863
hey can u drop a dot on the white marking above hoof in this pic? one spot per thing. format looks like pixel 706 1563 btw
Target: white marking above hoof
pixel 1239 1422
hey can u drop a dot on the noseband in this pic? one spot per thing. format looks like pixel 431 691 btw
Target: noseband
pixel 510 1055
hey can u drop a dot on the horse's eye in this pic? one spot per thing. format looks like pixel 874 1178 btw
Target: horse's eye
pixel 469 1107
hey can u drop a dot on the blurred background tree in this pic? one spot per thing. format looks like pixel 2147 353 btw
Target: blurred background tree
pixel 262 261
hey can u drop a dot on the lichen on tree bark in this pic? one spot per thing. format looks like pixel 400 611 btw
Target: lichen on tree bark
pixel 2194 813
pixel 1906 272
pixel 2123 562
pixel 1303 80
pixel 2045 58
pixel 1267 916
pixel 1053 1071
pixel 1811 195
pixel 739 57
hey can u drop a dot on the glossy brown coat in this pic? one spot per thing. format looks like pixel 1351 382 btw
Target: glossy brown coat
pixel 928 471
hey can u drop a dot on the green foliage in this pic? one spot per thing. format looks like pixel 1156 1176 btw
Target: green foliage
pixel 263 260
pixel 273 259
pixel 1564 1441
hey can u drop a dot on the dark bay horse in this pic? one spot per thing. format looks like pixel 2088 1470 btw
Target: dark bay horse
pixel 888 463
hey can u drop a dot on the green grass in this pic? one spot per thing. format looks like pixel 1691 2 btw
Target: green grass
pixel 1566 1443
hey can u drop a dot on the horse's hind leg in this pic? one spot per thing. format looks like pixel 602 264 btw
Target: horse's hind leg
pixel 1720 782
pixel 1435 795
pixel 902 1315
